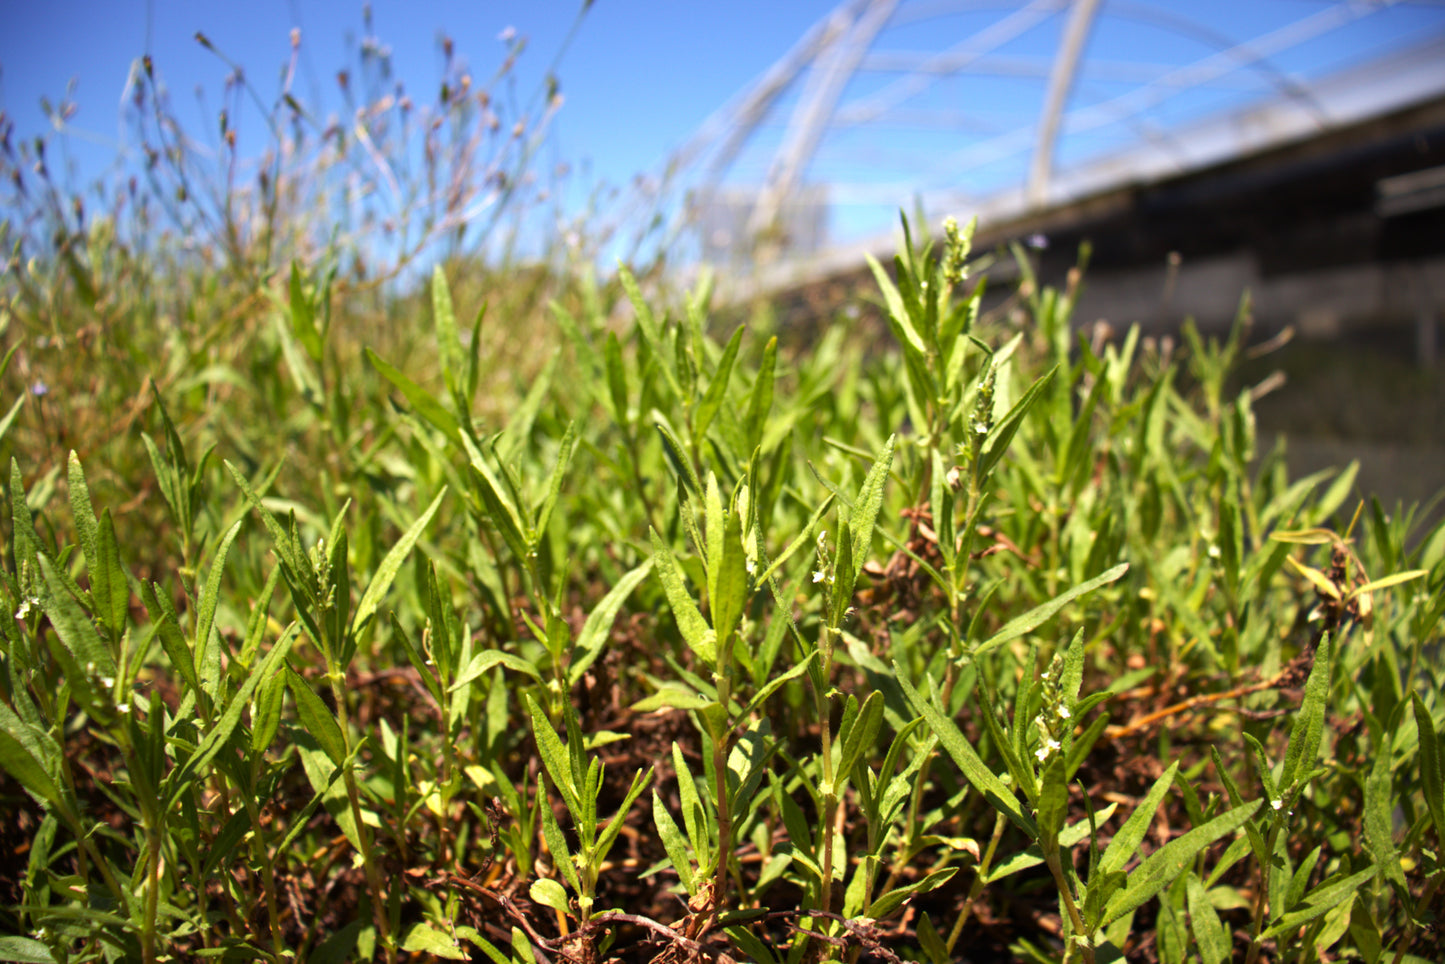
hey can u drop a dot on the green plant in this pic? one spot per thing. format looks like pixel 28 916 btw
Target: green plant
pixel 1010 637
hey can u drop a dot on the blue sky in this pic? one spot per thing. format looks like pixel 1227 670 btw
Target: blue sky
pixel 640 75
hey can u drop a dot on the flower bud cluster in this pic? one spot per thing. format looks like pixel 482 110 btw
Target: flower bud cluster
pixel 1055 719
pixel 824 572
pixel 980 420
pixel 956 245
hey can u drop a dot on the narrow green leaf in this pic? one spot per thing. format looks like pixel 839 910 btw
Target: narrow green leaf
pixel 695 630
pixel 386 572
pixel 672 842
pixel 220 734
pixel 423 401
pixel 449 343
pixel 303 315
pixel 556 843
pixel 1379 807
pixel 1386 582
pixel 647 324
pixel 898 317
pixel 25 951
pixel 1003 431
pixel 887 903
pixel 1039 615
pixel 1322 899
pixel 317 720
pixel 31 756
pixel 864 514
pixel 640 780
pixel 1069 837
pixel 1126 842
pixel 211 596
pixel 109 588
pixel 499 508
pixel 593 637
pixel 778 682
pixel 87 526
pixel 1430 765
pixel 9 417
pixel 1210 934
pixel 266 714
pixel 760 402
pixel 76 645
pixel 616 379
pixel 554 757
pixel 731 587
pixel 1309 723
pixel 712 400
pixel 967 759
pixel 1160 868
pixel 681 463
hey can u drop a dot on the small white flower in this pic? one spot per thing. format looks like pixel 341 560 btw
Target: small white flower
pixel 24 609
pixel 1047 749
pixel 122 707
pixel 1277 804
pixel 1064 713
pixel 819 575
pixel 507 35
pixel 108 682
pixel 1213 550
pixel 752 567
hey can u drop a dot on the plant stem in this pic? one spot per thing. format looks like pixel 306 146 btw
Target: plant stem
pixel 1082 938
pixel 353 795
pixel 1423 904
pixel 980 874
pixel 1261 899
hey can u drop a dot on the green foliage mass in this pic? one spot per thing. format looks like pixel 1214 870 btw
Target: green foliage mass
pixel 694 644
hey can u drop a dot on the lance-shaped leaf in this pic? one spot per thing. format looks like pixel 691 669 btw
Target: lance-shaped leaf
pixel 1322 899
pixel 556 843
pixel 498 507
pixel 1003 431
pixel 211 596
pixel 1209 932
pixel 760 402
pixel 898 317
pixel 695 631
pixel 1039 615
pixel 640 780
pixel 1126 842
pixel 1309 723
pixel 76 645
pixel 449 343
pixel 556 758
pixel 647 324
pixel 220 734
pixel 1431 765
pixel 593 637
pixel 423 401
pixel 864 513
pixel 712 400
pixel 32 757
pixel 728 575
pixel 316 719
pixel 1161 868
pixel 672 841
pixel 386 572
pixel 967 759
